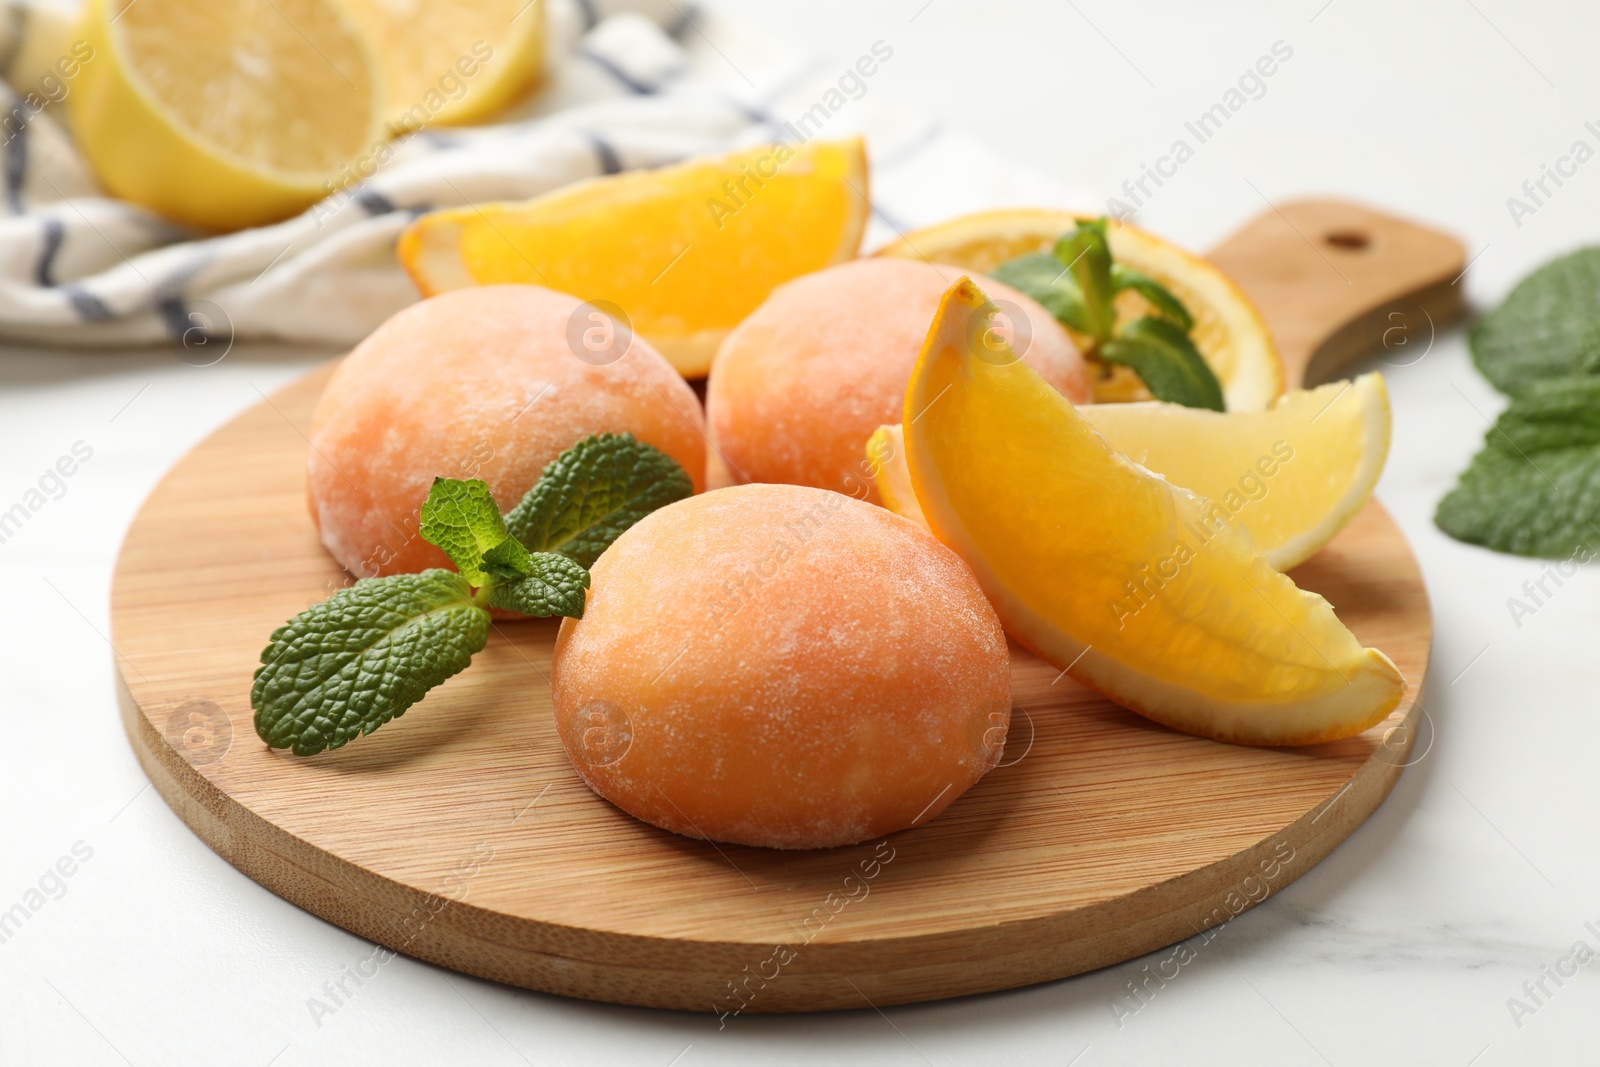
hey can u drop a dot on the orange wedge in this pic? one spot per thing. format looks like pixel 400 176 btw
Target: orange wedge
pixel 1228 330
pixel 1111 572
pixel 1292 476
pixel 685 252
pixel 886 462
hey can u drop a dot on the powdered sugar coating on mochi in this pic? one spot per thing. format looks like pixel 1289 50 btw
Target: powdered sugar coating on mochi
pixel 476 383
pixel 798 387
pixel 791 668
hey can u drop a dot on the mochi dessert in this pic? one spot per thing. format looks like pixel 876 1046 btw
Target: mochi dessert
pixel 782 666
pixel 490 383
pixel 800 385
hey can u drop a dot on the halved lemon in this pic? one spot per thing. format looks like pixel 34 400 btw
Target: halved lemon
pixel 224 115
pixel 446 62
pixel 1292 476
pixel 1112 573
pixel 1228 330
pixel 685 252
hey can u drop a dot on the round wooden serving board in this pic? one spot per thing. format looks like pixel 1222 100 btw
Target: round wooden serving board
pixel 460 834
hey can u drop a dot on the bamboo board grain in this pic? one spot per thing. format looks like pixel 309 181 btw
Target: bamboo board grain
pixel 459 834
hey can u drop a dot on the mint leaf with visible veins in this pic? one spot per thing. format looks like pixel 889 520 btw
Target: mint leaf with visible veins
pixel 594 491
pixel 507 561
pixel 362 657
pixel 462 519
pixel 553 585
pixel 1534 489
pixel 1549 327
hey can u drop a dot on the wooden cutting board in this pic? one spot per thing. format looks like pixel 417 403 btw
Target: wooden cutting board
pixel 459 834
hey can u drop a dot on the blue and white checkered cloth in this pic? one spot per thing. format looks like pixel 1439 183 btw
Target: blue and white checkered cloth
pixel 631 83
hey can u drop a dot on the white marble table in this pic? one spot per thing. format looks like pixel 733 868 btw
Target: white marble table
pixel 1477 875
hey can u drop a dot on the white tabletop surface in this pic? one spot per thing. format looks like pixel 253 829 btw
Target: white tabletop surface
pixel 1404 946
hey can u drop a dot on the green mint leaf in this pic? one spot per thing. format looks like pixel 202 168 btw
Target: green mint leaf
pixel 1160 297
pixel 1078 283
pixel 554 585
pixel 1534 489
pixel 462 519
pixel 1172 368
pixel 594 491
pixel 1087 255
pixel 508 561
pixel 1047 280
pixel 1549 327
pixel 362 657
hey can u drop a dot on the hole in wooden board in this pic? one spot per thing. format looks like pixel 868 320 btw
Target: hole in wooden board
pixel 1347 240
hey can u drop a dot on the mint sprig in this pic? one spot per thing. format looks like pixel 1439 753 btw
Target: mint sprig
pixel 362 657
pixel 1548 327
pixel 592 492
pixel 552 585
pixel 1078 283
pixel 1534 488
pixel 1160 353
pixel 346 666
pixel 1086 252
pixel 462 520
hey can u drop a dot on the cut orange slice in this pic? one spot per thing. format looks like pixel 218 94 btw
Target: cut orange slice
pixel 1292 476
pixel 683 253
pixel 1228 330
pixel 1111 572
pixel 886 461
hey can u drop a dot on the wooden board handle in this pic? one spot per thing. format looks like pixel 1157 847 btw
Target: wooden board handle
pixel 1336 280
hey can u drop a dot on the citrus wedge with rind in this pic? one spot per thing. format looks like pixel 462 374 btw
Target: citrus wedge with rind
pixel 1292 476
pixel 886 461
pixel 224 115
pixel 1228 329
pixel 685 251
pixel 448 62
pixel 1114 574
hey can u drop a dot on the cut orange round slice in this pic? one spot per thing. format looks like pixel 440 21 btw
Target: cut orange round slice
pixel 1228 330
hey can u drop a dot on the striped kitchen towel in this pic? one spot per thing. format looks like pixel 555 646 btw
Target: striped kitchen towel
pixel 630 83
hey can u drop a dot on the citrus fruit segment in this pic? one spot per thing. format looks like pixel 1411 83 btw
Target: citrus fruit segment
pixel 886 459
pixel 1228 330
pixel 1114 574
pixel 1293 476
pixel 224 115
pixel 685 252
pixel 447 62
